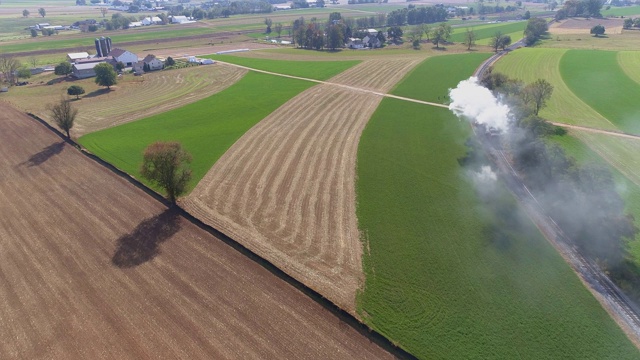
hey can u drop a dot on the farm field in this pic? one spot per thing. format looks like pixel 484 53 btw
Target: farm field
pixel 529 64
pixel 133 98
pixel 621 11
pixel 629 61
pixel 459 67
pixel 206 128
pixel 318 70
pixel 455 273
pixel 285 189
pixel 587 79
pixel 486 31
pixel 101 270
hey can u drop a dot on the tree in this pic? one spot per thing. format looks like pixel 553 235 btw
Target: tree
pixel 335 16
pixel 169 61
pixel 628 23
pixel 268 22
pixel 538 93
pixel 75 90
pixel 24 73
pixel 395 33
pixel 335 36
pixel 278 28
pixel 104 10
pixel 441 34
pixel 63 115
pixel 505 41
pixel 105 75
pixel 34 32
pixel 496 40
pixel 120 66
pixel 64 68
pixel 42 12
pixel 25 13
pixel 527 15
pixel 8 67
pixel 166 164
pixel 597 30
pixel 470 39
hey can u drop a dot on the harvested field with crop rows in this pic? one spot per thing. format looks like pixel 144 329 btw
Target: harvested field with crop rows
pixel 100 270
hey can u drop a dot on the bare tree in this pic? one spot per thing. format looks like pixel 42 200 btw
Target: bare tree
pixel 538 92
pixel 166 164
pixel 104 10
pixel 8 67
pixel 63 115
pixel 470 39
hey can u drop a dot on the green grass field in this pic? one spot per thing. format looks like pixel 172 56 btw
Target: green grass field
pixel 601 83
pixel 621 11
pixel 629 61
pixel 488 30
pixel 318 70
pixel 447 276
pixel 530 64
pixel 206 128
pixel 423 83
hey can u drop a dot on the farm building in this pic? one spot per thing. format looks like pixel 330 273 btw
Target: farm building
pixel 73 57
pixel 152 62
pixel 355 43
pixel 372 41
pixel 83 71
pixel 181 20
pixel 126 57
pixel 151 20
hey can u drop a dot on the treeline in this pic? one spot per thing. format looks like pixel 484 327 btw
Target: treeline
pixel 582 199
pixel 316 35
pixel 629 23
pixel 580 8
pixel 417 15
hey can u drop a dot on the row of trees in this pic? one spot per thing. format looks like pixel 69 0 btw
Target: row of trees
pixel 417 15
pixel 41 11
pixel 580 8
pixel 629 23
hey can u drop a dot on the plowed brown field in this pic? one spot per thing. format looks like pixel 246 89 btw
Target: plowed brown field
pixel 286 189
pixel 92 267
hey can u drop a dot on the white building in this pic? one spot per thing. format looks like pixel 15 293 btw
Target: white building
pixel 181 20
pixel 151 20
pixel 126 57
pixel 73 57
pixel 153 63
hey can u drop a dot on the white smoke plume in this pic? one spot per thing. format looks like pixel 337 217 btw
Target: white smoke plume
pixel 476 103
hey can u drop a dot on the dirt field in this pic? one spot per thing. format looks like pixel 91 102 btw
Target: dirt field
pixel 583 26
pixel 92 267
pixel 134 98
pixel 286 189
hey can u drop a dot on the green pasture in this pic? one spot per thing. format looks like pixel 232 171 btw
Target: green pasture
pixel 425 82
pixel 629 61
pixel 621 11
pixel 530 64
pixel 596 78
pixel 486 31
pixel 318 70
pixel 206 128
pixel 453 274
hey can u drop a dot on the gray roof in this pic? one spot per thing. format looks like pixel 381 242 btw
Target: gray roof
pixel 86 66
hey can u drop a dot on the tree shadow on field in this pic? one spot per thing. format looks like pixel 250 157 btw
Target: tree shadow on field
pixel 45 154
pixel 143 243
pixel 97 93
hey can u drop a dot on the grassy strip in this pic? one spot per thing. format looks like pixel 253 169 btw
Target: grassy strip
pixel 318 70
pixel 206 128
pixel 596 78
pixel 450 275
pixel 488 30
pixel 530 64
pixel 436 87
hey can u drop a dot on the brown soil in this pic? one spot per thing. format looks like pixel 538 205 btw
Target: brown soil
pixel 583 26
pixel 92 267
pixel 286 189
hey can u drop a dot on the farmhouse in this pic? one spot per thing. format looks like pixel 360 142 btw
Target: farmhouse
pixel 73 57
pixel 372 41
pixel 355 43
pixel 126 57
pixel 152 63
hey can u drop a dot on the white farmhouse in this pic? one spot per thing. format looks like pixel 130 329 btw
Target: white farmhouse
pixel 153 62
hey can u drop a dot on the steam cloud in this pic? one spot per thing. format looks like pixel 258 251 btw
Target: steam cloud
pixel 474 102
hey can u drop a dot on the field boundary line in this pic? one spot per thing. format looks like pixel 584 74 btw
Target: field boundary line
pixel 348 319
pixel 348 87
pixel 597 131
